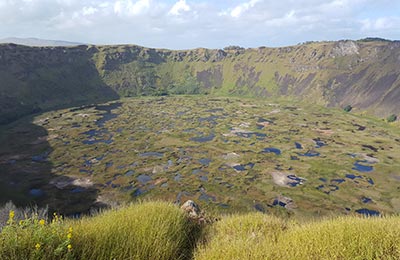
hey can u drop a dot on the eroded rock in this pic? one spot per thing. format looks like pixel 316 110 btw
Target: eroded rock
pixel 192 209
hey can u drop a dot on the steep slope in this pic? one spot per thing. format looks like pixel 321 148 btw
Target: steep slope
pixel 36 79
pixel 364 74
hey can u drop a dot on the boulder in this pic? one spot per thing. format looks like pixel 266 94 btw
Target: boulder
pixel 191 208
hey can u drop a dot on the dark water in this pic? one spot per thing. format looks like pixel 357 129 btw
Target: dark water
pixel 78 190
pixel 223 205
pixel 295 181
pixel 272 150
pixel 108 115
pixel 129 173
pixel 102 135
pixel 244 167
pixel 366 200
pixel 319 143
pixel 178 177
pixel 109 164
pixel 36 192
pixel 203 139
pixel 338 181
pixel 279 203
pixel 352 176
pixel 209 119
pixel 143 178
pixel 98 136
pixel 205 161
pixel 298 145
pixel 259 208
pixel 260 136
pixel 41 157
pixel 368 212
pixel 203 178
pixel 151 154
pixel 214 110
pixel 206 197
pixel 361 167
pixel 310 154
pixel 138 192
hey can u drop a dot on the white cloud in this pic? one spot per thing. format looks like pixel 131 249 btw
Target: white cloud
pixel 129 7
pixel 381 23
pixel 240 9
pixel 89 10
pixel 179 7
pixel 204 23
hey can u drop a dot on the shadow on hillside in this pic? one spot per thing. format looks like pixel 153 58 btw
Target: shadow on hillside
pixel 35 80
pixel 27 177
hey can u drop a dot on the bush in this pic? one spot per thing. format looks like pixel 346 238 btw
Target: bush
pixel 348 108
pixel 391 118
pixel 21 213
pixel 34 238
pixel 151 230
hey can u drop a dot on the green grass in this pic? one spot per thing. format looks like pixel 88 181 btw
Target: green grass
pixel 151 230
pixel 257 236
pixel 159 230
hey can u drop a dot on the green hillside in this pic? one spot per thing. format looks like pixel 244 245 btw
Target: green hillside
pixel 364 74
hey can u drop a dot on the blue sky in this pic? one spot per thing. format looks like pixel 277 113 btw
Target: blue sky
pixel 183 24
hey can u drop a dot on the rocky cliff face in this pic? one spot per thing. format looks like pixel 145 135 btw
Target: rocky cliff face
pixel 364 74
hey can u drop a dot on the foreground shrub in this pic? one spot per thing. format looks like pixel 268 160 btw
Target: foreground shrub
pixel 34 238
pixel 153 230
pixel 21 213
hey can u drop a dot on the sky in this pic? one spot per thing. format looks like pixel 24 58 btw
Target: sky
pixel 185 24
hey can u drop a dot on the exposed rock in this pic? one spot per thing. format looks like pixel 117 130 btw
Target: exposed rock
pixel 231 156
pixel 192 209
pixel 287 180
pixel 345 48
pixel 284 202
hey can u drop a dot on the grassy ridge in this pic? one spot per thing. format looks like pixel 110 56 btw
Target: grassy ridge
pixel 158 230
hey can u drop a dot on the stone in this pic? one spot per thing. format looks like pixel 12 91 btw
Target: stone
pixel 191 208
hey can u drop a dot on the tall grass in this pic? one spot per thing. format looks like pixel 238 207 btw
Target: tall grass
pixel 249 236
pixel 158 230
pixel 151 230
pixel 340 238
pixel 343 238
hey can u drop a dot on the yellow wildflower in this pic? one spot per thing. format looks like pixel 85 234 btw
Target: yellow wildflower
pixel 69 235
pixel 69 247
pixel 70 230
pixel 41 222
pixel 37 246
pixel 21 222
pixel 11 214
